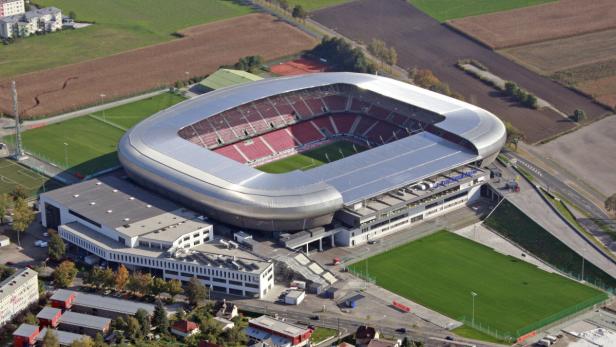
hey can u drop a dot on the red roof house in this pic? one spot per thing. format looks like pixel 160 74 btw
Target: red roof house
pixel 184 328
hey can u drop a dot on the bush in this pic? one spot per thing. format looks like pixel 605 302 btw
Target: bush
pixel 342 56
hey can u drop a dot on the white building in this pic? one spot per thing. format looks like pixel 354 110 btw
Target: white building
pixel 11 7
pixel 17 293
pixel 42 20
pixel 124 224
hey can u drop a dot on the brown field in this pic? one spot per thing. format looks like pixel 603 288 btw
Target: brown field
pixel 201 52
pixel 539 23
pixel 551 56
pixel 604 90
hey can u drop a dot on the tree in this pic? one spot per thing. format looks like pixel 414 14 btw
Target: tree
pixel 158 286
pixel 133 329
pixel 513 135
pixel 99 341
pixel 143 317
pixel 19 193
pixel 22 217
pixel 6 272
pixel 392 57
pixel 180 314
pixel 511 88
pixel 57 248
pixel 610 203
pixel 107 278
pixel 531 101
pixel 5 205
pixel 50 339
pixel 196 291
pixel 85 341
pixel 284 4
pixel 30 319
pixel 140 283
pixel 579 115
pixel 405 342
pixel 299 12
pixel 425 78
pixel 159 318
pixel 65 274
pixel 174 287
pixel 72 14
pixel 235 336
pixel 121 277
pixel 342 56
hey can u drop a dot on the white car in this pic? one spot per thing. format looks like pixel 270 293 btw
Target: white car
pixel 38 243
pixel 46 234
pixel 43 244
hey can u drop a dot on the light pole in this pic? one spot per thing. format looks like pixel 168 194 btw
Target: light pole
pixel 102 102
pixel 66 155
pixel 473 294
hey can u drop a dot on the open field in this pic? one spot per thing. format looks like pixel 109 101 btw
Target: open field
pixel 406 28
pixel 201 52
pixel 553 20
pixel 441 270
pixel 588 153
pixel 604 90
pixel 313 158
pixel 121 25
pixel 13 174
pixel 551 56
pixel 444 10
pixel 312 5
pixel 90 141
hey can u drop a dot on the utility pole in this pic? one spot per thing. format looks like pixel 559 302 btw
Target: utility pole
pixel 473 294
pixel 18 150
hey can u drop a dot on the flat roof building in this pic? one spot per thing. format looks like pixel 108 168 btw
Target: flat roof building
pixel 98 305
pixel 280 333
pixel 65 338
pixel 49 316
pixel 17 293
pixel 80 323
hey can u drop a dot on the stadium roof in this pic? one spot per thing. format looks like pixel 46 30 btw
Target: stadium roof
pixel 227 78
pixel 154 153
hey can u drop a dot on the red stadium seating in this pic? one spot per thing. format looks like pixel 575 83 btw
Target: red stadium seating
pixel 381 132
pixel 231 153
pixel 324 123
pixel 254 149
pixel 335 103
pixel 306 132
pixel 280 140
pixel 359 106
pixel 379 112
pixel 344 122
pixel 364 124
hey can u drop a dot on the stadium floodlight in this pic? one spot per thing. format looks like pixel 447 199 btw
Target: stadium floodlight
pixel 102 103
pixel 473 294
pixel 66 155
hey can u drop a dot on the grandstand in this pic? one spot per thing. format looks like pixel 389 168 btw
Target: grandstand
pixel 425 155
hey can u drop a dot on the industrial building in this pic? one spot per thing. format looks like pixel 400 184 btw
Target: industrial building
pixel 17 293
pixel 277 333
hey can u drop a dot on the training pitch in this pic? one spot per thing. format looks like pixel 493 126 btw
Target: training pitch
pixel 313 158
pixel 13 174
pixel 441 271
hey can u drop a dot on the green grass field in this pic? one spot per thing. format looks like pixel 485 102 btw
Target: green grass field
pixel 121 25
pixel 13 174
pixel 441 270
pixel 444 10
pixel 311 5
pixel 91 143
pixel 313 158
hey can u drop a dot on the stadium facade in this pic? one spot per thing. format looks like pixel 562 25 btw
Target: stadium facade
pixel 202 152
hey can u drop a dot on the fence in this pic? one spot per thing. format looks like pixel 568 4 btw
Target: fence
pixel 488 330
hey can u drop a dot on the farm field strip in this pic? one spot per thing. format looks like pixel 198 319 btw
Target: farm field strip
pixel 549 21
pixel 443 10
pixel 200 53
pixel 120 25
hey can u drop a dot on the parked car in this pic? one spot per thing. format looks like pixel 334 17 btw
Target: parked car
pixel 401 330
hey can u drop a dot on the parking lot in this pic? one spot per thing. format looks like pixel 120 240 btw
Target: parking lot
pixel 29 254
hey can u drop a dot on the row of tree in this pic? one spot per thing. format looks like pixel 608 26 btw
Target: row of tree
pixel 386 55
pixel 342 56
pixel 425 78
pixel 521 95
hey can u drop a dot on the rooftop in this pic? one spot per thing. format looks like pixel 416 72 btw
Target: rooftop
pixel 84 320
pixel 280 327
pixel 111 201
pixel 26 330
pixel 167 227
pixel 295 293
pixel 227 77
pixel 64 337
pixel 48 313
pixel 103 302
pixel 9 285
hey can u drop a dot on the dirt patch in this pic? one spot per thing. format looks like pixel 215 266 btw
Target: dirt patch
pixel 298 67
pixel 551 56
pixel 539 23
pixel 422 42
pixel 588 153
pixel 201 52
pixel 604 90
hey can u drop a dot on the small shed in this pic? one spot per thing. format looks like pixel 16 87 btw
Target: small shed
pixel 351 300
pixel 49 316
pixel 294 297
pixel 25 335
pixel 4 241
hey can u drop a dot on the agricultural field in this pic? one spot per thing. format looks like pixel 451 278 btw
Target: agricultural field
pixel 444 10
pixel 313 158
pixel 87 144
pixel 511 294
pixel 311 5
pixel 76 86
pixel 13 174
pixel 550 21
pixel 121 25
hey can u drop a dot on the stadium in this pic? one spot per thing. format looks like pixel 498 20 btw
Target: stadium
pixel 397 154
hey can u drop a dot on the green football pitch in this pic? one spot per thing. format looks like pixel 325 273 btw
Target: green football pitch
pixel 13 174
pixel 441 271
pixel 87 144
pixel 313 158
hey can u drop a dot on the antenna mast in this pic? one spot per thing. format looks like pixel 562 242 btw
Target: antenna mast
pixel 18 150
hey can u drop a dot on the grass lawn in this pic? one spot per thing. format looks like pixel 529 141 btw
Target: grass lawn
pixel 320 334
pixel 311 5
pixel 441 270
pixel 91 143
pixel 443 10
pixel 13 174
pixel 120 25
pixel 312 158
